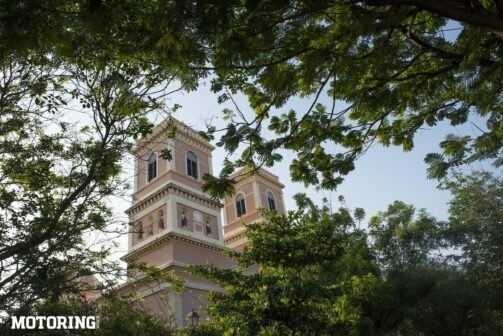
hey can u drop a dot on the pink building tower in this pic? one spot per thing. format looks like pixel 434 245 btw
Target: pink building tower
pixel 255 189
pixel 174 224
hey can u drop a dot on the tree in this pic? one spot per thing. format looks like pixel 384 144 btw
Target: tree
pixel 315 273
pixel 57 175
pixel 401 240
pixel 319 274
pixel 476 215
pixel 399 65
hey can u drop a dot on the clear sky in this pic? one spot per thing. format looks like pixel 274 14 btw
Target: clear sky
pixel 382 175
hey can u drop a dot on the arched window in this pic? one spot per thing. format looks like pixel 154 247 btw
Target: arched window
pixel 240 205
pixel 152 167
pixel 192 165
pixel 139 231
pixel 271 201
pixel 160 220
pixel 150 226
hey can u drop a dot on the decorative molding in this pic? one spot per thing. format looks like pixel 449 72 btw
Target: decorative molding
pixel 171 188
pixel 183 132
pixel 235 237
pixel 244 176
pixel 196 143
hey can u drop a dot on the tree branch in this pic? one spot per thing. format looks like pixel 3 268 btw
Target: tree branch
pixel 466 14
pixel 414 39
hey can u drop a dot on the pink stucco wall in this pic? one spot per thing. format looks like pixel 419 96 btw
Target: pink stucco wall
pixel 194 299
pixel 248 218
pixel 157 305
pixel 181 159
pixel 159 255
pixel 199 255
pixel 185 253
pixel 179 173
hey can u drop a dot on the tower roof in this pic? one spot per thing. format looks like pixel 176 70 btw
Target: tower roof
pixel 183 131
pixel 247 173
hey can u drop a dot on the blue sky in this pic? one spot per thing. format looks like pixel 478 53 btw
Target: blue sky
pixel 382 175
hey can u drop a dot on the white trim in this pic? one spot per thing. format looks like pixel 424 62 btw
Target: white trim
pixel 172 215
pixel 189 188
pixel 188 284
pixel 196 206
pixel 135 177
pixel 224 210
pixel 177 183
pixel 149 209
pixel 188 140
pixel 170 164
pixel 256 195
pixel 210 164
pixel 241 241
pixel 135 225
pixel 164 216
pixel 146 239
pixel 283 206
pixel 175 302
pixel 130 238
pixel 235 231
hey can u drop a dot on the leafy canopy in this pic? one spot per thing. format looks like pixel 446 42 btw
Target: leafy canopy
pixel 315 272
pixel 58 174
pixel 398 67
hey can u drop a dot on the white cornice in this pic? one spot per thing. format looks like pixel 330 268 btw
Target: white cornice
pixel 245 175
pixel 172 188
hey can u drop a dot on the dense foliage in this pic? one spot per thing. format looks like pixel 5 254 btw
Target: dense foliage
pixel 374 71
pixel 318 274
pixel 58 173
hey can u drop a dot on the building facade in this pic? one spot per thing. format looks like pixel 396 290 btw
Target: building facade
pixel 174 224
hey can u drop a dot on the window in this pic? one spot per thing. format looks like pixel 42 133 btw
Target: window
pixel 150 226
pixel 161 219
pixel 139 231
pixel 152 167
pixel 270 200
pixel 240 205
pixel 192 165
